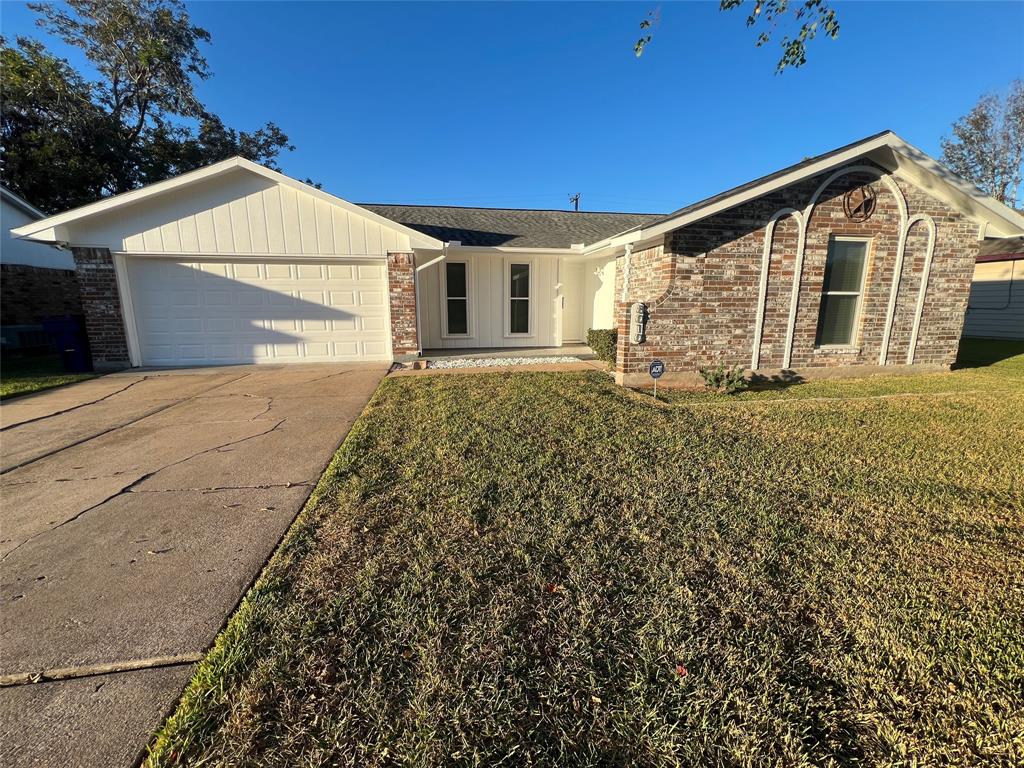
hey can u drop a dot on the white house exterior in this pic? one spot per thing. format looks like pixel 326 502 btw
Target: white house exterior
pixel 235 263
pixel 16 212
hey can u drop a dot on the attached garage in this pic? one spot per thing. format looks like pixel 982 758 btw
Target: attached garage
pixel 215 312
pixel 236 263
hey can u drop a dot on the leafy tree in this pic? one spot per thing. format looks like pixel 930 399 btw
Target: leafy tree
pixel 987 147
pixel 67 141
pixel 814 16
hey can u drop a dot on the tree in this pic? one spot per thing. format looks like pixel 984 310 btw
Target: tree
pixel 987 147
pixel 67 140
pixel 813 15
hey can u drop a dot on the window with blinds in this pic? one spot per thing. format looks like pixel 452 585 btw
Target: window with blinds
pixel 842 291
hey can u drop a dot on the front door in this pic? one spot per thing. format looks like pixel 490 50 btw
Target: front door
pixel 573 277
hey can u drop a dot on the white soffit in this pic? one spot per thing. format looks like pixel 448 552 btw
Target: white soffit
pixel 234 207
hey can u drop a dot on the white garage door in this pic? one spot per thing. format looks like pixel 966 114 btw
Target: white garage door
pixel 205 313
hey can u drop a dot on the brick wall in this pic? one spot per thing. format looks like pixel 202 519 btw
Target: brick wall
pixel 402 295
pixel 705 313
pixel 28 294
pixel 97 283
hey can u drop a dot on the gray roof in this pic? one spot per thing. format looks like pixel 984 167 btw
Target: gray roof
pixel 511 226
pixel 554 229
pixel 993 247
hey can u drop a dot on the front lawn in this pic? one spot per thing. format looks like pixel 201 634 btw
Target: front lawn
pixel 545 569
pixel 21 376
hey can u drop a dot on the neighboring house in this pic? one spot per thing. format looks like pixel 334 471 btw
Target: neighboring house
pixel 36 281
pixel 996 307
pixel 858 258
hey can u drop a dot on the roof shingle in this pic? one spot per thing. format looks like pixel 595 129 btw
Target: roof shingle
pixel 516 227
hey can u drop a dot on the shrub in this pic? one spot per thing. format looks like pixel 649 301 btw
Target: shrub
pixel 722 379
pixel 604 342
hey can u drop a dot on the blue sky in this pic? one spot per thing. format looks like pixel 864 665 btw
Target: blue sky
pixel 519 104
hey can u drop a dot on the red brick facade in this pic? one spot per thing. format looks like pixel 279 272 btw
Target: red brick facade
pixel 97 283
pixel 703 286
pixel 402 295
pixel 28 294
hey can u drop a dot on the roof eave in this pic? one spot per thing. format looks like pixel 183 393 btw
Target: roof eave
pixel 877 148
pixel 45 229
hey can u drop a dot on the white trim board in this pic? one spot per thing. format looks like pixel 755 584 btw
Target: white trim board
pixel 888 150
pixel 55 228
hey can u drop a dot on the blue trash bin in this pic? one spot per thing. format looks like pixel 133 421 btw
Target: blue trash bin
pixel 71 341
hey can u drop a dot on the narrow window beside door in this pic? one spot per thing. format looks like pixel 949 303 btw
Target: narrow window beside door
pixel 456 298
pixel 519 299
pixel 842 292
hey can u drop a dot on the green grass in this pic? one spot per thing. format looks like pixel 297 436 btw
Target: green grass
pixel 983 365
pixel 22 376
pixel 545 569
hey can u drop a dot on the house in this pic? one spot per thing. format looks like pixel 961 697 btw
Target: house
pixel 857 260
pixel 995 309
pixel 36 281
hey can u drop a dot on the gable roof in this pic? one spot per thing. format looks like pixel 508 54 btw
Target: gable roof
pixel 55 228
pixel 511 227
pixel 885 149
pixel 20 203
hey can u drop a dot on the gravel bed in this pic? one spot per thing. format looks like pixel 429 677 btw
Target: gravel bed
pixel 485 362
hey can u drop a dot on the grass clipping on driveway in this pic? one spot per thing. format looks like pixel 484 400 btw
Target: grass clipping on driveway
pixel 517 569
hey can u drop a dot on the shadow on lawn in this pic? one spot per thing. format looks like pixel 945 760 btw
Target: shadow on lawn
pixel 780 380
pixel 978 353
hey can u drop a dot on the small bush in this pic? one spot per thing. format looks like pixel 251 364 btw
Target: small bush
pixel 722 379
pixel 604 342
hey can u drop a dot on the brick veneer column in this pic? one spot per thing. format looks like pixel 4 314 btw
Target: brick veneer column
pixel 97 286
pixel 402 295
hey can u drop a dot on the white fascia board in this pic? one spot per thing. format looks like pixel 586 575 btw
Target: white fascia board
pixel 21 204
pixel 417 238
pixel 125 198
pixel 914 163
pixel 920 168
pixel 646 233
pixel 42 229
pixel 511 250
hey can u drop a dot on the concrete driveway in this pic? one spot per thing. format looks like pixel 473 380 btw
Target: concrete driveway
pixel 136 510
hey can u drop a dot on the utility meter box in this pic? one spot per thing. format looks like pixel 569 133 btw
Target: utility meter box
pixel 638 323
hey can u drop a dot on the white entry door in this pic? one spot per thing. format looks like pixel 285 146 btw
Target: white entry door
pixel 208 313
pixel 573 276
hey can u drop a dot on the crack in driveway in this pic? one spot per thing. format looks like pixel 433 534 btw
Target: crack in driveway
pixel 74 407
pixel 129 488
pixel 116 427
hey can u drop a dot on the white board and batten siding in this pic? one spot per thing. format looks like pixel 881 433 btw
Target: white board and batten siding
pixel 242 214
pixel 488 302
pixel 243 268
pixel 995 309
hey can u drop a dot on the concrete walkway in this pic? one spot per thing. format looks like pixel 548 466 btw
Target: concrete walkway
pixel 137 508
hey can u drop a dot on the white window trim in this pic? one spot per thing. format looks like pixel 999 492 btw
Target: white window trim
pixel 506 304
pixel 470 330
pixel 854 344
